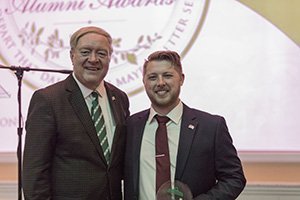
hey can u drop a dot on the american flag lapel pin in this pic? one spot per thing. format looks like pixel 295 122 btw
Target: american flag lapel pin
pixel 191 126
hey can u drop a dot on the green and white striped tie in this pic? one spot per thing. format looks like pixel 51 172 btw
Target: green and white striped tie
pixel 98 120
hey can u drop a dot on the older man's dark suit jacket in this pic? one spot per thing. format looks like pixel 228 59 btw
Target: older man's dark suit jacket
pixel 63 159
pixel 207 161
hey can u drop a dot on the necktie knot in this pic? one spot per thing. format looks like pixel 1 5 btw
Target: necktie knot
pixel 162 119
pixel 95 94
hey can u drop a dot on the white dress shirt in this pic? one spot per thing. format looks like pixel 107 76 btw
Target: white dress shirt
pixel 147 178
pixel 104 104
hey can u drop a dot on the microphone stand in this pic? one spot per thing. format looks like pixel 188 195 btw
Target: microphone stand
pixel 19 71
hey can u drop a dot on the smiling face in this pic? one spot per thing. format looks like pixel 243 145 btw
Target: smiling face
pixel 162 83
pixel 90 58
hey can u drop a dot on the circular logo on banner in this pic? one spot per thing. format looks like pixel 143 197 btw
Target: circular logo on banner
pixel 36 33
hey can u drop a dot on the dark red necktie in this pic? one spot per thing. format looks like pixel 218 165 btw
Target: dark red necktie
pixel 162 152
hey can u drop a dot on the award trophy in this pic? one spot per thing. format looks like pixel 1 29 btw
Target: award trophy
pixel 174 191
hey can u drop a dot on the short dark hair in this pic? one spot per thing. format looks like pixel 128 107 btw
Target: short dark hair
pixel 167 55
pixel 89 29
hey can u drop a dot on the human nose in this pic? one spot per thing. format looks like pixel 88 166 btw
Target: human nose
pixel 93 57
pixel 161 81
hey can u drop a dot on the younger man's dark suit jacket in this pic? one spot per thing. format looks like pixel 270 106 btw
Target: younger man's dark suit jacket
pixel 207 161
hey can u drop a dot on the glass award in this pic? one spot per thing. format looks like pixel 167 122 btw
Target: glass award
pixel 174 191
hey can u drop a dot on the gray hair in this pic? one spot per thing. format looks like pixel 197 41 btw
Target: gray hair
pixel 90 29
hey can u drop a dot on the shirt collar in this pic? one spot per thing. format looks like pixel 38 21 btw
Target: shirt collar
pixel 174 115
pixel 86 91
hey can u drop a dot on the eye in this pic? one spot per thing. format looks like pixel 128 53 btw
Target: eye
pixel 102 54
pixel 152 77
pixel 168 75
pixel 84 52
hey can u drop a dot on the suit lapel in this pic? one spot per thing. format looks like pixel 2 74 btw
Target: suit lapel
pixel 187 132
pixel 78 103
pixel 136 148
pixel 115 104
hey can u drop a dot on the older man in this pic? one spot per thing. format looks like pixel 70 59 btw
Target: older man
pixel 75 135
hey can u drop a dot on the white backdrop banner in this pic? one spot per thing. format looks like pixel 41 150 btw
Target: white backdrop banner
pixel 237 64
